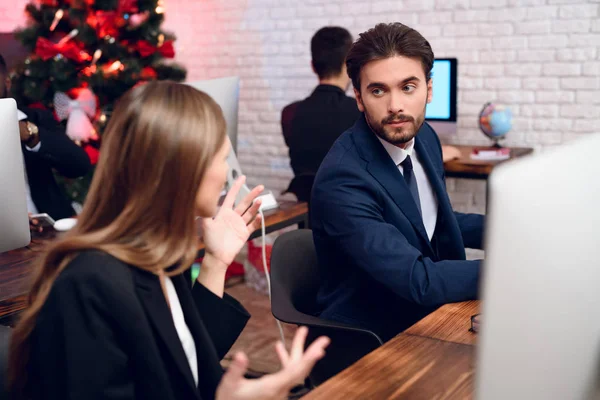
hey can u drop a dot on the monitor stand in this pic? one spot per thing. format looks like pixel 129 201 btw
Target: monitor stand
pixel 235 171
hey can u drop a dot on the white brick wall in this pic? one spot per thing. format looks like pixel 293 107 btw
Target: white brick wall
pixel 541 57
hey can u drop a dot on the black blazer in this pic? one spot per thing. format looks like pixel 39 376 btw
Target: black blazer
pixel 379 269
pixel 106 332
pixel 59 152
pixel 310 127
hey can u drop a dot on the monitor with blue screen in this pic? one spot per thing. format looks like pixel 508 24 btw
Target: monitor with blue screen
pixel 441 112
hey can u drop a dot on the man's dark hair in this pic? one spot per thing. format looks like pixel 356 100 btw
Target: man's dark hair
pixel 329 47
pixel 385 41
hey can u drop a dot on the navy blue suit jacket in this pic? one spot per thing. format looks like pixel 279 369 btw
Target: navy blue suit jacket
pixel 379 270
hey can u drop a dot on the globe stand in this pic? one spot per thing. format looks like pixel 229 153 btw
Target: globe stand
pixel 497 144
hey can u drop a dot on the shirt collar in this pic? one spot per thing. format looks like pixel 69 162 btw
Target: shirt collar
pixel 397 154
pixel 21 115
pixel 328 88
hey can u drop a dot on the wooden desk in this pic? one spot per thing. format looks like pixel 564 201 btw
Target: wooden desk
pixel 16 265
pixel 434 359
pixel 465 167
pixel 450 323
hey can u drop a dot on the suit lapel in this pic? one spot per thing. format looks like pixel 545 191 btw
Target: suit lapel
pixel 158 312
pixel 383 169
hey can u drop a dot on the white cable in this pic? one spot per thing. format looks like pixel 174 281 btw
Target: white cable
pixel 267 275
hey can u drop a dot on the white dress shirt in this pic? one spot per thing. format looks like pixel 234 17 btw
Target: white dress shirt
pixel 30 204
pixel 429 203
pixel 185 336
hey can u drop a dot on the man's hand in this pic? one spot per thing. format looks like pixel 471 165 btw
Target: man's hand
pixel 450 153
pixel 27 138
pixel 24 131
pixel 34 225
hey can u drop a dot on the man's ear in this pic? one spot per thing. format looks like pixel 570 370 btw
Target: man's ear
pixel 429 90
pixel 359 102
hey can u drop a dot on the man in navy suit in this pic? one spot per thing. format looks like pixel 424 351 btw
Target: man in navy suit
pixel 391 249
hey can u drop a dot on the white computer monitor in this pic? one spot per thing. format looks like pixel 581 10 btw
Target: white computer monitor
pixel 14 221
pixel 441 112
pixel 540 330
pixel 226 93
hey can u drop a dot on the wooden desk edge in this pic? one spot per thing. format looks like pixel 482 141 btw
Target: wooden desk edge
pixel 298 211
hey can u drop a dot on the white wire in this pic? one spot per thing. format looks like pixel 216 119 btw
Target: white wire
pixel 267 275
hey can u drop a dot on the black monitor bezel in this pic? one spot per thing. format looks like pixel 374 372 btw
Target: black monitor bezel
pixel 453 90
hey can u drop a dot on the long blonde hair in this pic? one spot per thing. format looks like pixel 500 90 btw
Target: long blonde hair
pixel 158 144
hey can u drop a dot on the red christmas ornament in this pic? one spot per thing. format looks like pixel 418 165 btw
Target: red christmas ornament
pixel 148 73
pixel 146 49
pixel 89 71
pixel 106 23
pixel 92 20
pixel 92 153
pixel 127 7
pixel 167 49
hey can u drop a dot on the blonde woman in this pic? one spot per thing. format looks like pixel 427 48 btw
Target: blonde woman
pixel 111 314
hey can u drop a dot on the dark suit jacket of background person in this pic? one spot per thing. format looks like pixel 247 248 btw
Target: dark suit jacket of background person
pixel 106 332
pixel 379 269
pixel 57 152
pixel 310 127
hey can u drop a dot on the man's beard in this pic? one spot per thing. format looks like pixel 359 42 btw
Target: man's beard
pixel 396 135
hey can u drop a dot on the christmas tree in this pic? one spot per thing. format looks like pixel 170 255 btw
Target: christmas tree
pixel 85 54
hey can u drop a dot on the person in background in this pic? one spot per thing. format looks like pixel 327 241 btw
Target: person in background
pixel 390 247
pixel 45 147
pixel 311 126
pixel 112 311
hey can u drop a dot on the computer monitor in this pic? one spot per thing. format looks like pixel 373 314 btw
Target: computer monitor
pixel 13 198
pixel 441 112
pixel 226 92
pixel 540 331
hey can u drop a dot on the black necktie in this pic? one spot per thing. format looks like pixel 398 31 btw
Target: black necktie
pixel 411 181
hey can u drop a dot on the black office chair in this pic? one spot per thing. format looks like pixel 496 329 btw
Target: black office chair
pixel 294 284
pixel 4 341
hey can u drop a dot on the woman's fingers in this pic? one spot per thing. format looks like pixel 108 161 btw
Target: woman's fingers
pixel 298 343
pixel 251 213
pixel 247 201
pixel 255 225
pixel 316 350
pixel 282 353
pixel 233 192
pixel 237 369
